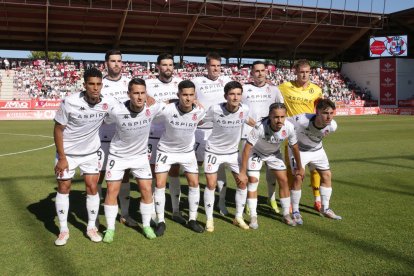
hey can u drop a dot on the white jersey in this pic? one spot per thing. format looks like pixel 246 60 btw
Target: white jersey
pixel 310 137
pixel 132 129
pixel 258 99
pixel 210 92
pixel 82 122
pixel 119 90
pixel 227 127
pixel 161 92
pixel 179 128
pixel 268 142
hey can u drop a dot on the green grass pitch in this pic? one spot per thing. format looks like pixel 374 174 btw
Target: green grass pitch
pixel 372 160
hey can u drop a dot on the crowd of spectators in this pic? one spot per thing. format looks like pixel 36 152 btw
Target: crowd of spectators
pixel 56 80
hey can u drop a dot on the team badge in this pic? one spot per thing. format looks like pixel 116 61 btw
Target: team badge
pixel 194 117
pixel 253 165
pixel 283 133
pixel 209 167
pixel 241 115
pixel 147 112
pixel 108 174
pixel 105 106
pixel 311 91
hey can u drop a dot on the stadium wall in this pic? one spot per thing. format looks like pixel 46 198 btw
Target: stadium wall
pixel 405 78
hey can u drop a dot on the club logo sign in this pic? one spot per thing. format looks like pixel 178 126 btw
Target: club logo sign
pixel 388 46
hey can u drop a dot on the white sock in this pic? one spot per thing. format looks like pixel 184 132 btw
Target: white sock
pixel 325 196
pixel 271 184
pixel 252 203
pixel 111 211
pixel 193 202
pixel 295 196
pixel 285 203
pixel 318 198
pixel 124 198
pixel 146 211
pixel 175 193
pixel 209 196
pixel 159 200
pixel 92 206
pixel 241 196
pixel 62 209
pixel 221 185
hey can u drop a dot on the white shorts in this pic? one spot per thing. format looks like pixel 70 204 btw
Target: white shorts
pixel 273 161
pixel 103 153
pixel 187 160
pixel 212 162
pixel 315 159
pixel 201 137
pixel 88 164
pixel 116 167
pixel 152 149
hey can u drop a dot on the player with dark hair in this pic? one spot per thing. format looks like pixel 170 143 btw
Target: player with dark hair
pixel 77 123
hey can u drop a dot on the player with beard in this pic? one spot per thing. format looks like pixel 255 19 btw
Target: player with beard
pixel 209 90
pixel 115 85
pixel 162 89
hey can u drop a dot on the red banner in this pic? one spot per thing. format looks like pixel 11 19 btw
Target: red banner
pixel 27 114
pixel 406 103
pixel 388 81
pixel 350 111
pixel 42 104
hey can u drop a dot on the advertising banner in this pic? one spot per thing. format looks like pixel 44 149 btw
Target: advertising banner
pixel 388 81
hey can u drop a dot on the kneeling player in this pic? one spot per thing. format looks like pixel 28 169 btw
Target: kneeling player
pixel 310 130
pixel 263 145
pixel 128 150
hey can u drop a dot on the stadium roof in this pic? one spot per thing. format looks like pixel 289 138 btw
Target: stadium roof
pixel 193 27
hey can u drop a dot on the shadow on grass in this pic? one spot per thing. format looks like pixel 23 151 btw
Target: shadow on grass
pixel 382 160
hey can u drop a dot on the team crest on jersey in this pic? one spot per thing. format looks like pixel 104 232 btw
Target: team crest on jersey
pixel 147 112
pixel 194 117
pixel 241 115
pixel 283 133
pixel 311 91
pixel 105 106
pixel 209 167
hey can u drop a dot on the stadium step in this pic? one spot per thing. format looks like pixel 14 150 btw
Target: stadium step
pixel 7 90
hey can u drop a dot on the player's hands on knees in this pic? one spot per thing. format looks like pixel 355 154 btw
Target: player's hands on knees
pixel 300 173
pixel 242 184
pixel 61 166
pixel 243 178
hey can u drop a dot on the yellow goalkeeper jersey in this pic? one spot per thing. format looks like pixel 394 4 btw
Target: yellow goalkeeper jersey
pixel 300 100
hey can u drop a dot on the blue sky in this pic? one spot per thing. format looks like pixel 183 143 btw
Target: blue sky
pixel 375 6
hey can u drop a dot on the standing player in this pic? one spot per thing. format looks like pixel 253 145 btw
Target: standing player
pixel 176 146
pixel 115 85
pixel 300 97
pixel 165 88
pixel 77 142
pixel 128 150
pixel 209 91
pixel 222 148
pixel 311 129
pixel 258 96
pixel 263 145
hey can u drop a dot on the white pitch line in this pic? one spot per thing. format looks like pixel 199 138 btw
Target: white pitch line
pixel 20 152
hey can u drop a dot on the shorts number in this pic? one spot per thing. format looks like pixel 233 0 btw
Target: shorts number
pixel 293 163
pixel 211 159
pixel 196 145
pixel 99 152
pixel 256 158
pixel 111 164
pixel 149 148
pixel 161 158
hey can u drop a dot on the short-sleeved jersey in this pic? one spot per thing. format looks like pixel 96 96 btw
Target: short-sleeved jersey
pixel 132 129
pixel 119 90
pixel 300 100
pixel 161 92
pixel 310 137
pixel 227 127
pixel 258 99
pixel 82 122
pixel 210 92
pixel 266 141
pixel 179 128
